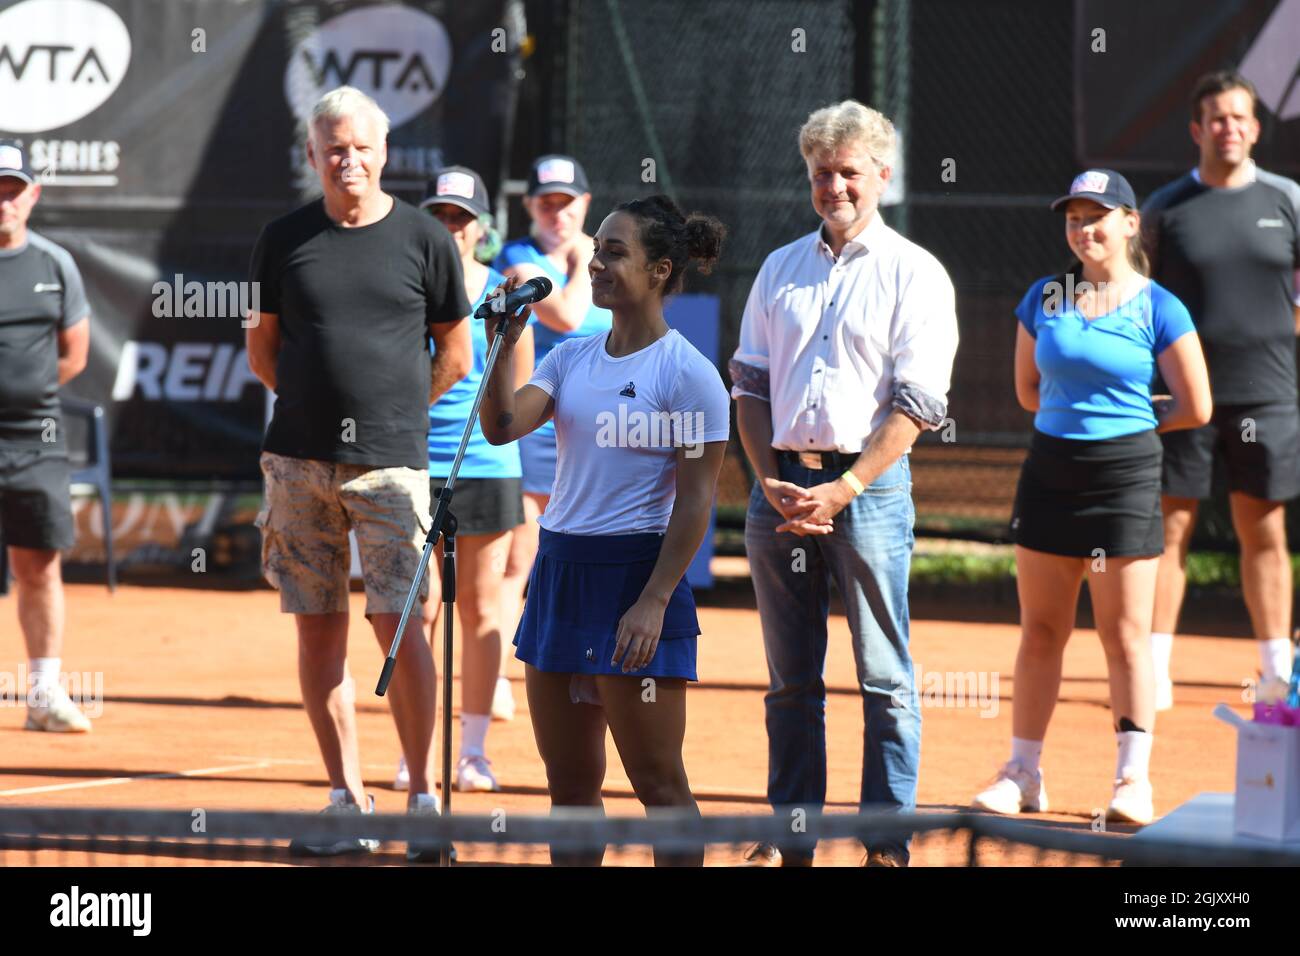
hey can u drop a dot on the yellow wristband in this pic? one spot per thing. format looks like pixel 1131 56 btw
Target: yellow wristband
pixel 852 480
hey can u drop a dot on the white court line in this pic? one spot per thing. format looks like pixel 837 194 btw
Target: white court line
pixel 291 761
pixel 114 781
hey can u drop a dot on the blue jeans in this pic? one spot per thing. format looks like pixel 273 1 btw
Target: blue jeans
pixel 868 556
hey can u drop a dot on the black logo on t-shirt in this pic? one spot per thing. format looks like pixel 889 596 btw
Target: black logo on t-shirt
pixel 629 390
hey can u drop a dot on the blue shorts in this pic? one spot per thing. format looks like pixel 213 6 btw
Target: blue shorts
pixel 579 589
pixel 537 454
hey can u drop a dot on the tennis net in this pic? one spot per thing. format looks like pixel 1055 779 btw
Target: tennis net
pixel 64 836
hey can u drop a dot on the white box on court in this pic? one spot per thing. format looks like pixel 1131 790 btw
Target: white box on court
pixel 1268 781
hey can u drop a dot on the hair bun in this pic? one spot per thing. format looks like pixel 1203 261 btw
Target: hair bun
pixel 704 236
pixel 665 233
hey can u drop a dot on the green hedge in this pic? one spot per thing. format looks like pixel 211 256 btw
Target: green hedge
pixel 1207 569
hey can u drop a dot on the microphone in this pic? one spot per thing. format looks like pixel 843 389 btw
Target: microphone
pixel 530 291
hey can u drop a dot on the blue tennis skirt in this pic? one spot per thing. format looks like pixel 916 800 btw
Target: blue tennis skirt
pixel 538 455
pixel 579 589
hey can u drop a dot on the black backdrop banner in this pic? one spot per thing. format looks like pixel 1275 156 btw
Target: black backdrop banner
pixel 1136 64
pixel 166 132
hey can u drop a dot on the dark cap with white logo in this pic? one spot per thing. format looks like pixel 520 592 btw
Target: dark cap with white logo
pixel 1103 186
pixel 13 161
pixel 557 174
pixel 457 186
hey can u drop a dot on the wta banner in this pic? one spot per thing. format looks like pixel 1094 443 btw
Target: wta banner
pixel 165 133
pixel 1136 64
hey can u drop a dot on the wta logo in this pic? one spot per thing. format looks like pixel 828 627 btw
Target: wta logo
pixel 399 56
pixel 638 429
pixel 60 60
pixel 1272 63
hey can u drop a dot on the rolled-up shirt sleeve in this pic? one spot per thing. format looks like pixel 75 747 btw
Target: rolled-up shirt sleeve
pixel 923 343
pixel 750 364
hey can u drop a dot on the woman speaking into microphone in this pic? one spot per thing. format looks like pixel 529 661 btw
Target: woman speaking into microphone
pixel 556 248
pixel 608 633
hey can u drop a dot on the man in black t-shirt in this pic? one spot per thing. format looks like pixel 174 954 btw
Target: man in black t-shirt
pixel 1225 239
pixel 352 287
pixel 44 337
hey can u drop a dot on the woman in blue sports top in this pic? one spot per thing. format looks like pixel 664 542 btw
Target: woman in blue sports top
pixel 1088 503
pixel 642 420
pixel 556 247
pixel 489 500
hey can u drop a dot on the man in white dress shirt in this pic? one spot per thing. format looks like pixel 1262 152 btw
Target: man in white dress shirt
pixel 845 356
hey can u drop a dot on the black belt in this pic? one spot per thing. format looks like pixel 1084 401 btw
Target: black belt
pixel 818 460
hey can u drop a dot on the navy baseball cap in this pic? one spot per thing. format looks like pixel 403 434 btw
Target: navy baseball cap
pixel 13 161
pixel 1104 186
pixel 557 174
pixel 457 186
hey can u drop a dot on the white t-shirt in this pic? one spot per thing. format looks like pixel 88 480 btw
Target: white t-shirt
pixel 618 422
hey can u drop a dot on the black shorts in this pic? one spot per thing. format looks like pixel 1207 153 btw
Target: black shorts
pixel 1258 445
pixel 35 503
pixel 1078 497
pixel 483 505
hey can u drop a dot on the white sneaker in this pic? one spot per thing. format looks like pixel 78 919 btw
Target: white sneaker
pixel 503 700
pixel 53 711
pixel 425 804
pixel 340 847
pixel 1015 790
pixel 1132 801
pixel 475 774
pixel 1271 690
pixel 403 779
pixel 1164 694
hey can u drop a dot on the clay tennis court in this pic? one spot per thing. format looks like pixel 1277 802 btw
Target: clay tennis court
pixel 200 710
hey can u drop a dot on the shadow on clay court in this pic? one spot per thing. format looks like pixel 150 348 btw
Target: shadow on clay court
pixel 1074 821
pixel 154 776
pixel 623 793
pixel 249 703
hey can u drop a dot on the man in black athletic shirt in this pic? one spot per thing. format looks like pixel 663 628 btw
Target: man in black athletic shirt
pixel 353 286
pixel 1225 238
pixel 44 337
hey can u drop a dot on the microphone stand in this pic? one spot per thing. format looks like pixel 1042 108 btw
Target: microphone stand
pixel 444 525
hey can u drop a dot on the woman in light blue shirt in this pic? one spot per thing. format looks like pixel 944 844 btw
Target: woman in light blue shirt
pixel 1088 345
pixel 489 501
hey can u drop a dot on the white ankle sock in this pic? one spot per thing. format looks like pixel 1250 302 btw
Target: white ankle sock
pixel 43 672
pixel 473 734
pixel 1027 753
pixel 1162 647
pixel 1275 658
pixel 1134 758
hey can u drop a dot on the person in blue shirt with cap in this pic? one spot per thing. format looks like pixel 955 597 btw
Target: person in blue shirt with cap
pixel 1088 502
pixel 556 247
pixel 489 501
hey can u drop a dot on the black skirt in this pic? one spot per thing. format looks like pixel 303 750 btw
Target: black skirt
pixel 483 505
pixel 1082 498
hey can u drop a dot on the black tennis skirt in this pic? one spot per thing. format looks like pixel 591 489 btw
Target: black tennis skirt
pixel 1076 497
pixel 483 505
